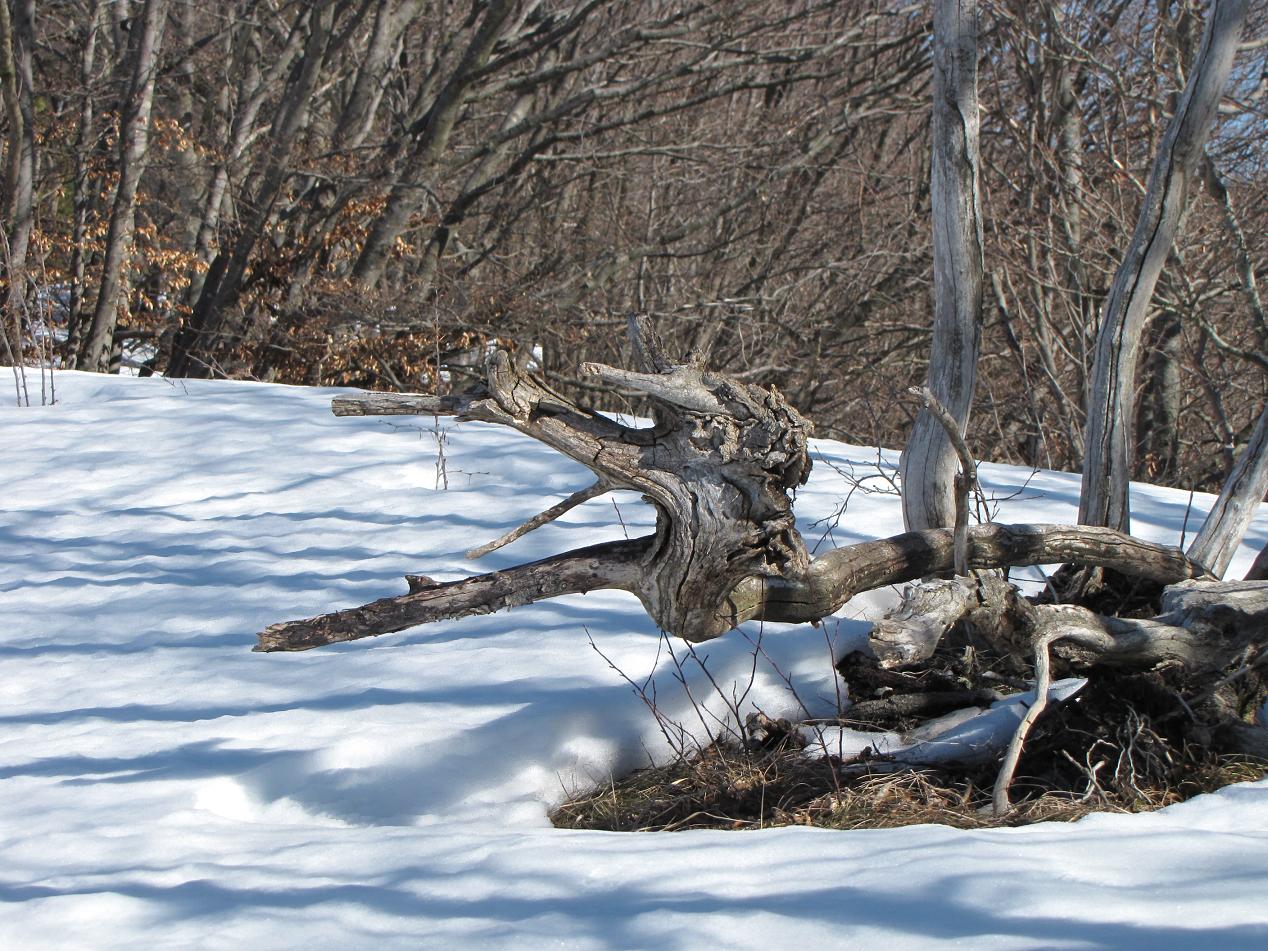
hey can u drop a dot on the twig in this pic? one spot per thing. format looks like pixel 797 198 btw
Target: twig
pixel 540 519
pixel 1184 528
pixel 1099 641
pixel 662 721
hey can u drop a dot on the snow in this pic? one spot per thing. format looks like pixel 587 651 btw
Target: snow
pixel 162 786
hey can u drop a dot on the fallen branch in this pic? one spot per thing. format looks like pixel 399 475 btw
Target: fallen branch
pixel 541 518
pixel 965 479
pixel 611 565
pixel 831 581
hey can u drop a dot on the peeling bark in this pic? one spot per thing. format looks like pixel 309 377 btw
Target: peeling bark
pixel 929 457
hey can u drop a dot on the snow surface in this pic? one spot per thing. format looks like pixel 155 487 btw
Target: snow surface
pixel 163 787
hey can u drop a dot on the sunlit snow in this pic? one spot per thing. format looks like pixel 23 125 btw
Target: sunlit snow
pixel 161 786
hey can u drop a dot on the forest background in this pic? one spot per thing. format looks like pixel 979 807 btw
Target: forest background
pixel 370 192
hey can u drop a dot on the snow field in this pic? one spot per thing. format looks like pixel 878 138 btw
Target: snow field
pixel 161 785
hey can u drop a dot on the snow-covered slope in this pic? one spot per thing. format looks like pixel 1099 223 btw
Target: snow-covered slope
pixel 162 786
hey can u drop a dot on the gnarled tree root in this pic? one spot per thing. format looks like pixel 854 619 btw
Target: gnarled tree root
pixel 718 465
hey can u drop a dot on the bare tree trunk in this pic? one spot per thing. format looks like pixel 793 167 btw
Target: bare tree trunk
pixel 1237 505
pixel 357 115
pixel 929 459
pixel 240 111
pixel 134 141
pixel 201 346
pixel 1259 569
pixel 1109 442
pixel 82 198
pixel 17 39
pixel 1246 485
pixel 1158 428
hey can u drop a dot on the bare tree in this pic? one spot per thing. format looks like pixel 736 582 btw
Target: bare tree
pixel 200 346
pixel 1111 410
pixel 82 199
pixel 17 40
pixel 929 458
pixel 134 138
pixel 1247 483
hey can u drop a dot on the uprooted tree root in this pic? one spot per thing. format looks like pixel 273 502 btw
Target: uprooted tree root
pixel 720 465
pixel 1120 748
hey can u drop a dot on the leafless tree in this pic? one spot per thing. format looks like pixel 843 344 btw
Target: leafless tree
pixel 1107 461
pixel 929 457
pixel 146 39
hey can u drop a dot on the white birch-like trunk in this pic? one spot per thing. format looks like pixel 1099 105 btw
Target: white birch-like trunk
pixel 929 459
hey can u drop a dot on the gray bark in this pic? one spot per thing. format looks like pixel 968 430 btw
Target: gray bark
pixel 201 346
pixel 1259 569
pixel 1107 462
pixel 1158 429
pixel 912 631
pixel 718 467
pixel 1235 509
pixel 613 565
pixel 17 39
pixel 357 115
pixel 929 459
pixel 134 142
pixel 82 199
pixel 832 580
pixel 1246 485
pixel 238 121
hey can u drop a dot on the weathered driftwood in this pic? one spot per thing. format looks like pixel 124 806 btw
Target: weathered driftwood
pixel 613 565
pixel 830 581
pixel 912 631
pixel 1237 504
pixel 1206 628
pixel 1228 605
pixel 1205 625
pixel 965 482
pixel 901 706
pixel 1259 569
pixel 718 465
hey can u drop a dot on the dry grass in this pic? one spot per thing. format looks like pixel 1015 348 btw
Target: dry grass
pixel 727 787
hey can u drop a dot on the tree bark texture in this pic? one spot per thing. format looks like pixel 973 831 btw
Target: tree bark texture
pixel 430 142
pixel 1238 502
pixel 134 143
pixel 929 459
pixel 17 41
pixel 1107 461
pixel 205 342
